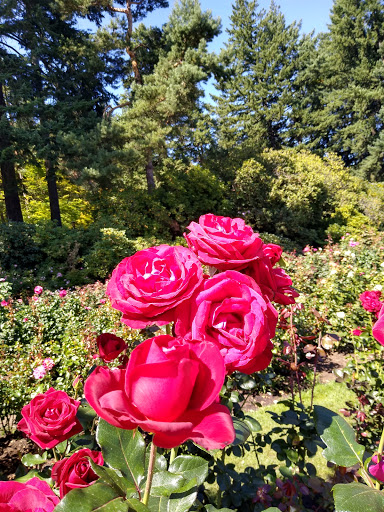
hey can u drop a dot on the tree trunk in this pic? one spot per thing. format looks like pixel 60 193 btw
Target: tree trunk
pixel 8 174
pixel 151 185
pixel 52 192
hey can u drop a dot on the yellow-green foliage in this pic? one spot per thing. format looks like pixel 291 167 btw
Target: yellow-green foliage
pixel 76 211
pixel 300 195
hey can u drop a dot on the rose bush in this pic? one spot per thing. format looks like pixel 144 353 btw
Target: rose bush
pixel 170 387
pixel 148 286
pixel 76 472
pixel 50 418
pixel 231 312
pixel 223 242
pixel 33 495
pixel 110 346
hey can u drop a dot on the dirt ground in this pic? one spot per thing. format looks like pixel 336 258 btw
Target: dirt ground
pixel 13 447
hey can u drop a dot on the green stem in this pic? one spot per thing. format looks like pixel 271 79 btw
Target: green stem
pixel 219 491
pixel 173 455
pixel 151 466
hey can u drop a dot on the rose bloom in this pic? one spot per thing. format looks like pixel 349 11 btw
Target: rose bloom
pixel 377 469
pixel 48 363
pixel 110 346
pixel 378 328
pixel 4 303
pixel 33 495
pixel 223 242
pixel 39 372
pixel 275 283
pixel 370 301
pixel 76 472
pixel 147 286
pixel 170 387
pixel 63 293
pixel 273 252
pixel 231 312
pixel 38 290
pixel 50 418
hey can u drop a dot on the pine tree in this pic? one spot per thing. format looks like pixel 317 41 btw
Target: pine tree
pixel 260 67
pixel 351 116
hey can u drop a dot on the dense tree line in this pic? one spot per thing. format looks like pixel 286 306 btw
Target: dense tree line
pixel 145 152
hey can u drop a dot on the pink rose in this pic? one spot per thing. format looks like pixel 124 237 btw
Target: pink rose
pixel 39 372
pixel 231 312
pixel 50 418
pixel 4 303
pixel 63 293
pixel 275 283
pixel 377 469
pixel 224 243
pixel 370 301
pixel 378 328
pixel 38 290
pixel 357 332
pixel 76 472
pixel 170 387
pixel 110 346
pixel 34 495
pixel 147 286
pixel 48 363
pixel 273 252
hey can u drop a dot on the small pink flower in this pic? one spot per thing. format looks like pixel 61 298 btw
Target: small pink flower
pixel 35 298
pixel 87 307
pixel 361 416
pixel 20 301
pixel 25 319
pixel 357 332
pixel 63 293
pixel 307 249
pixel 38 290
pixel 353 244
pixel 39 372
pixel 48 363
pixel 4 303
pixel 103 301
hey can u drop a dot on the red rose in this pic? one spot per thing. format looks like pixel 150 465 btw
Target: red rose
pixel 275 283
pixel 170 387
pixel 378 328
pixel 76 471
pixel 110 346
pixel 34 495
pixel 231 312
pixel 50 418
pixel 370 301
pixel 224 243
pixel 147 286
pixel 273 252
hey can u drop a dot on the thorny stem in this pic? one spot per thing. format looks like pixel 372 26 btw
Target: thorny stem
pixel 151 466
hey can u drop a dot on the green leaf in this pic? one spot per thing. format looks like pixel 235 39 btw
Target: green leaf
pixel 342 448
pixel 122 486
pixel 137 506
pixel 253 425
pixel 356 497
pixel 165 483
pixel 99 496
pixel 272 509
pixel 183 500
pixel 32 473
pixel 211 508
pixel 190 467
pixel 33 459
pixel 85 414
pixel 123 450
pixel 242 431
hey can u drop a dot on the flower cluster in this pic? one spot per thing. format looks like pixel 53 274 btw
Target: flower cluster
pixel 371 302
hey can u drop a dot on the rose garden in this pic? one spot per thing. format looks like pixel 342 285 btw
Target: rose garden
pixel 143 395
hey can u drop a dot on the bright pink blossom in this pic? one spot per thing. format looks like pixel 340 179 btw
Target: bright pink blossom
pixel 38 290
pixel 223 242
pixel 110 346
pixel 4 303
pixel 50 418
pixel 377 469
pixel 231 312
pixel 35 495
pixel 273 252
pixel 170 387
pixel 148 286
pixel 378 328
pixel 370 301
pixel 357 332
pixel 63 293
pixel 353 243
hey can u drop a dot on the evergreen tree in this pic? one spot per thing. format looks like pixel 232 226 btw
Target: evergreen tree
pixel 260 67
pixel 351 116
